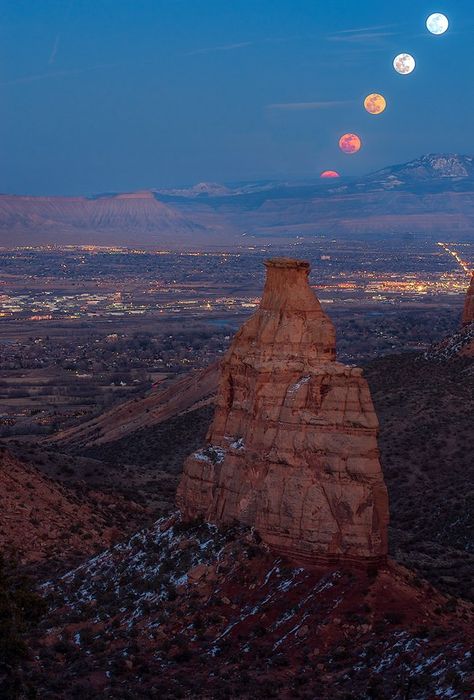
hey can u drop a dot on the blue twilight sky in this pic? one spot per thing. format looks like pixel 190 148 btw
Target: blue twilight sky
pixel 108 95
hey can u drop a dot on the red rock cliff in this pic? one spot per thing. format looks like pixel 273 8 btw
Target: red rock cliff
pixel 468 313
pixel 292 449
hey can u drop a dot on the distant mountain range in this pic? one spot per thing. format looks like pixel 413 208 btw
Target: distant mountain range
pixel 431 195
pixel 432 172
pixel 450 171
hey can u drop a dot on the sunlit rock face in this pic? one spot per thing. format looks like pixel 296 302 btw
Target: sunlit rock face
pixel 468 313
pixel 292 450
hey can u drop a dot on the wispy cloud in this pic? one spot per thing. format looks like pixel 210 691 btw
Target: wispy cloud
pixel 57 38
pixel 57 74
pixel 224 47
pixel 244 44
pixel 54 49
pixel 360 38
pixel 363 34
pixel 303 106
pixel 358 30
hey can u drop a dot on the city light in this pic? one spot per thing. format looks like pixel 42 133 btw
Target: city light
pixel 456 256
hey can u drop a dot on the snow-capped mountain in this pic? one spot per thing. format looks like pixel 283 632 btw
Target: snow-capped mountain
pixel 443 170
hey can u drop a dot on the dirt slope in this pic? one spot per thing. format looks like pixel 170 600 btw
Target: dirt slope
pixel 41 519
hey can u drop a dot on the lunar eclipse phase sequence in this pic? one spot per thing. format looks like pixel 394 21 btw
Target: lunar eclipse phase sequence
pixel 375 103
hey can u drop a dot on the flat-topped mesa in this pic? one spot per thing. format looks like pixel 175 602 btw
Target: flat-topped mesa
pixel 468 312
pixel 292 450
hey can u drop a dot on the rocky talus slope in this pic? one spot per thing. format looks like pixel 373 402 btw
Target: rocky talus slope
pixel 292 450
pixel 187 610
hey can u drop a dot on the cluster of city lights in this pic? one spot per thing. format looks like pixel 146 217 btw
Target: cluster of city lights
pixel 462 263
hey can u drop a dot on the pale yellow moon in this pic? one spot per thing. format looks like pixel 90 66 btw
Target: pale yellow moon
pixel 375 103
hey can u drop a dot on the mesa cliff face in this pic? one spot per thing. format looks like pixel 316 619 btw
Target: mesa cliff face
pixel 468 312
pixel 292 450
pixel 130 218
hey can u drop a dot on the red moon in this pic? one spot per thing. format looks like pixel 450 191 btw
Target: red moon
pixel 329 173
pixel 350 143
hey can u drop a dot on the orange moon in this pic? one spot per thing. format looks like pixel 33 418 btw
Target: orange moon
pixel 329 173
pixel 350 143
pixel 375 103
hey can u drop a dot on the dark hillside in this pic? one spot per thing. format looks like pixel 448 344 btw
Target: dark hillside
pixel 426 440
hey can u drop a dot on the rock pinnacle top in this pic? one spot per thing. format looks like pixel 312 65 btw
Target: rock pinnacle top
pixel 287 287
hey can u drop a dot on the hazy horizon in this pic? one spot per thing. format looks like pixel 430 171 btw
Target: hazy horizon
pixel 294 178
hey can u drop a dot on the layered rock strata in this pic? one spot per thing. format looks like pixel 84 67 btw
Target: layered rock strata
pixel 292 450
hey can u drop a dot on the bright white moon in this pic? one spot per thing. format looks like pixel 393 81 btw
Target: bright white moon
pixel 404 63
pixel 437 23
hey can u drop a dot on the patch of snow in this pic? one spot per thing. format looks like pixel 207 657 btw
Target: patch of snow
pixel 201 457
pixel 295 387
pixel 211 454
pixel 276 568
pixel 447 693
pixel 293 631
pixel 287 583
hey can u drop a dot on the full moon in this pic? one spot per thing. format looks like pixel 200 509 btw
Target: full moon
pixel 329 174
pixel 350 143
pixel 404 63
pixel 437 23
pixel 375 103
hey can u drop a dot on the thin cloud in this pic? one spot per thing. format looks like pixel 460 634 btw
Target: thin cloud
pixel 57 38
pixel 57 74
pixel 360 37
pixel 54 50
pixel 243 44
pixel 363 35
pixel 358 30
pixel 304 106
pixel 225 47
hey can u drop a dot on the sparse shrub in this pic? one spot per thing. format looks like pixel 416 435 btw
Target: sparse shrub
pixel 183 655
pixel 394 617
pixel 20 611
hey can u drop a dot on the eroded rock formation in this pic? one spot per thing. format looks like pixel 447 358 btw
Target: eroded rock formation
pixel 292 449
pixel 468 312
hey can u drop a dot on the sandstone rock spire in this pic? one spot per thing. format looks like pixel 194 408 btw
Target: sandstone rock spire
pixel 292 450
pixel 468 313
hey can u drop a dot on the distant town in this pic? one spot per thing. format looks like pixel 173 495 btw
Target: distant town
pixel 84 327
